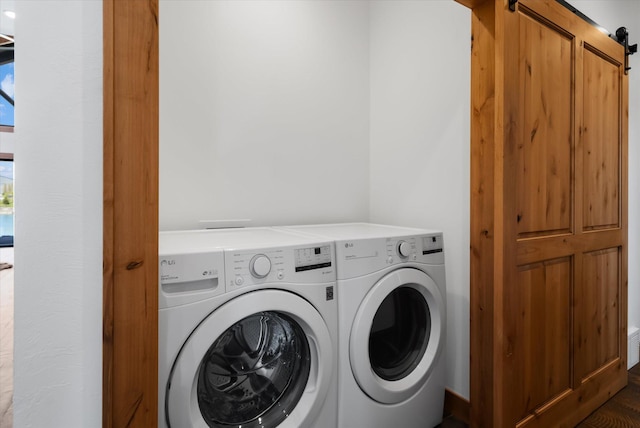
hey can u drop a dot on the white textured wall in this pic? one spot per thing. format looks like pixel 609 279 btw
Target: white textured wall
pixel 58 252
pixel 420 95
pixel 263 111
pixel 612 15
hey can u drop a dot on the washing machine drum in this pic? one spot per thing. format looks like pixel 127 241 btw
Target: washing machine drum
pixel 397 335
pixel 252 372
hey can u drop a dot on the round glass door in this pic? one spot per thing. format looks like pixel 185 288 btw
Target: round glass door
pixel 263 359
pixel 397 335
pixel 254 373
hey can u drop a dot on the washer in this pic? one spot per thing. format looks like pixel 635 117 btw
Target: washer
pixel 247 330
pixel 392 319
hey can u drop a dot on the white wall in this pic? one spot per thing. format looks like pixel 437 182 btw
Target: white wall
pixel 58 252
pixel 626 13
pixel 263 111
pixel 420 95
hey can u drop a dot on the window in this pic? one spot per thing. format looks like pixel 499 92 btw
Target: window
pixel 6 201
pixel 6 94
pixel 6 83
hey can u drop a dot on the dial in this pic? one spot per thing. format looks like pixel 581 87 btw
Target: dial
pixel 404 248
pixel 260 266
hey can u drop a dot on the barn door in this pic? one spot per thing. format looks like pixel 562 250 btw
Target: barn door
pixel 549 202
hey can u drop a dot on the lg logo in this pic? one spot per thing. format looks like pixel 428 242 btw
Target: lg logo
pixel 166 262
pixel 348 245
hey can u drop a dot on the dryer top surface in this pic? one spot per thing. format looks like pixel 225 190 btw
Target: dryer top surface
pixel 354 231
pixel 188 241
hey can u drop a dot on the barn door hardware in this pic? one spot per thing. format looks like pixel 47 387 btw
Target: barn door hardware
pixel 512 5
pixel 622 36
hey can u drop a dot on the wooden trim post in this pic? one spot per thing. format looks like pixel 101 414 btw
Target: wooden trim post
pixel 130 222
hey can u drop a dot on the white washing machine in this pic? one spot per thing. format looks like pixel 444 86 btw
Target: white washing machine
pixel 392 319
pixel 247 330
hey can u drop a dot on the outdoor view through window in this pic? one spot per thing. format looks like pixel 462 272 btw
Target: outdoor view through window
pixel 6 94
pixel 6 203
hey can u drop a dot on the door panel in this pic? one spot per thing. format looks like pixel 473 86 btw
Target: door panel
pixel 600 136
pixel 544 152
pixel 597 312
pixel 542 343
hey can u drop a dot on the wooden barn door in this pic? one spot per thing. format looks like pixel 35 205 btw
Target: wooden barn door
pixel 549 203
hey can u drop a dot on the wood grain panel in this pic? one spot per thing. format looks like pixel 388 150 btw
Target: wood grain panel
pixel 539 249
pixel 541 311
pixel 597 313
pixel 601 142
pixel 544 195
pixel 130 368
pixel 482 223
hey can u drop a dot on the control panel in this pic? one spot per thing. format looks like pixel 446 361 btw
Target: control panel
pixel 362 256
pixel 312 258
pixel 185 278
pixel 432 244
pixel 302 264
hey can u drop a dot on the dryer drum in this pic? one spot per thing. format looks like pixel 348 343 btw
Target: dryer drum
pixel 254 374
pixel 399 334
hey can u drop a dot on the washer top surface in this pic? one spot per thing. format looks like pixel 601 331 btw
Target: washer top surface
pixel 192 241
pixel 353 231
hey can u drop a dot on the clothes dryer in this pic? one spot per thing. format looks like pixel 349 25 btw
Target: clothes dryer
pixel 247 330
pixel 391 316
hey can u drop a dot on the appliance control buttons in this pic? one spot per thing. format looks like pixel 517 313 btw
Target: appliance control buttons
pixel 260 266
pixel 239 280
pixel 390 260
pixel 404 249
pixel 280 274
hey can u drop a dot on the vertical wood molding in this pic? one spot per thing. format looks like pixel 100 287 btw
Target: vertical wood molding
pixel 130 222
pixel 107 218
pixel 482 222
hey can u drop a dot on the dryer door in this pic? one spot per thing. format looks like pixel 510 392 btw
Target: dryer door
pixel 262 359
pixel 397 335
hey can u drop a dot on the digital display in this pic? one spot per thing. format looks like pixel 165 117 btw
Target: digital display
pixel 432 244
pixel 313 258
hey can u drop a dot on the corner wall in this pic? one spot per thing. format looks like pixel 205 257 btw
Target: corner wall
pixel 58 251
pixel 419 141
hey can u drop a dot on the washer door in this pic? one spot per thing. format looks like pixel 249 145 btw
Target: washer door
pixel 262 359
pixel 397 335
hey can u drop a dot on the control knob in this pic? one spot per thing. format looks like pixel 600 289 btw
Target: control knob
pixel 404 249
pixel 260 266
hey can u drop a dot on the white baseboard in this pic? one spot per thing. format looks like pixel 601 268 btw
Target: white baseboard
pixel 633 347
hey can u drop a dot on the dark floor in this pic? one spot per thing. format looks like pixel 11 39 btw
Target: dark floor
pixel 452 422
pixel 622 411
